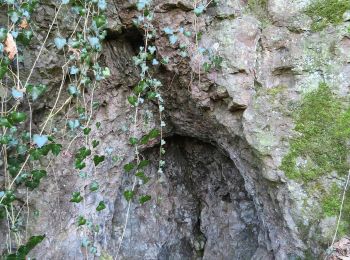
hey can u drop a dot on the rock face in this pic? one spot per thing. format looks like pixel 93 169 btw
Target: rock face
pixel 223 194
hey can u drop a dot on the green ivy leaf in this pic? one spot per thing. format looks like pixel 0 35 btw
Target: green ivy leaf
pixel 94 186
pixel 3 34
pixel 143 177
pixel 154 133
pixel 81 221
pixel 9 197
pixel 4 122
pixel 145 139
pixel 100 20
pixel 98 159
pixel 143 164
pixel 151 95
pixel 25 36
pixel 5 139
pixel 35 154
pixel 79 164
pixel 87 131
pixel 4 62
pixel 55 148
pixel 144 199
pixel 16 117
pixel 128 195
pixel 76 197
pixel 24 250
pixel 95 143
pixel 82 153
pixel 133 140
pixel 128 167
pixel 33 180
pixel 101 206
pixel 36 91
pixel 132 100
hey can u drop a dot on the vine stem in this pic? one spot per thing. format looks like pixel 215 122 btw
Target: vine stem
pixel 137 158
pixel 43 45
pixel 341 209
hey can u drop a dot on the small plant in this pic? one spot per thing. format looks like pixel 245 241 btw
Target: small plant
pixel 326 12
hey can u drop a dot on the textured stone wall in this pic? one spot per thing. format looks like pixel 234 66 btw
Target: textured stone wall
pixel 223 194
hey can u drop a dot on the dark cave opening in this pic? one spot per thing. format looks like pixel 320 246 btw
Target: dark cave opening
pixel 201 209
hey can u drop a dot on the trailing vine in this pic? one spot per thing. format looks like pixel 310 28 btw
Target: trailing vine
pixel 24 146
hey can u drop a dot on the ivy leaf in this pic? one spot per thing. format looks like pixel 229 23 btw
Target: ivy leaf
pixel 36 90
pixel 4 122
pixel 94 186
pixel 73 124
pixel 82 153
pixel 101 206
pixel 144 199
pixel 16 93
pixel 102 5
pixel 143 164
pixel 95 42
pixel 128 195
pixel 9 197
pixel 87 131
pixel 95 143
pixel 168 31
pixel 173 39
pixel 100 20
pixel 98 159
pixel 72 90
pixel 155 62
pixel 24 250
pixel 40 140
pixel 16 117
pixel 154 133
pixel 34 179
pixel 128 167
pixel 199 10
pixel 60 42
pixel 133 140
pixel 73 70
pixel 106 72
pixel 3 34
pixel 132 100
pixel 76 197
pixel 79 164
pixel 55 148
pixel 145 139
pixel 81 221
pixel 143 177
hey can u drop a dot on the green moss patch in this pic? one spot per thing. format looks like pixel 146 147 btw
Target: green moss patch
pixel 259 8
pixel 325 12
pixel 331 203
pixel 320 148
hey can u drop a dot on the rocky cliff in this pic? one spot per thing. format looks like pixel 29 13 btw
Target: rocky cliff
pixel 256 151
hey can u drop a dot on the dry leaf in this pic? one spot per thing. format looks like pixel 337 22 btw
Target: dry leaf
pixel 10 46
pixel 24 24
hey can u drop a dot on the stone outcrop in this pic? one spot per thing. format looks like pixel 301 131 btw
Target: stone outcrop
pixel 223 194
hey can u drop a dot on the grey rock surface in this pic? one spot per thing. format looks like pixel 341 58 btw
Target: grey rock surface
pixel 222 194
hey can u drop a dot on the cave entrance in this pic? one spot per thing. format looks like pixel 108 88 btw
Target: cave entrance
pixel 201 208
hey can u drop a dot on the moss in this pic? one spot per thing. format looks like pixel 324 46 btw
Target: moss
pixel 259 7
pixel 321 146
pixel 331 203
pixel 325 12
pixel 276 90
